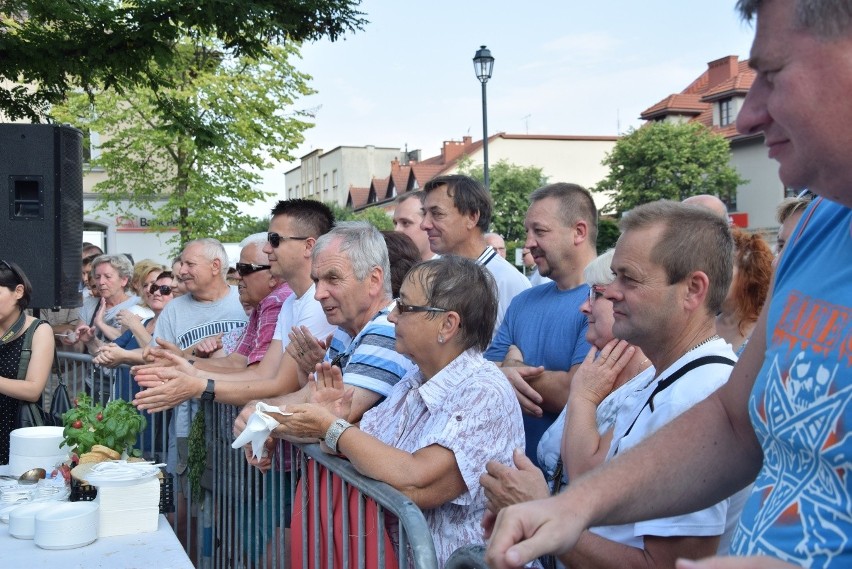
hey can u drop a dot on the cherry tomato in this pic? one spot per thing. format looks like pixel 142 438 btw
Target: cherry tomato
pixel 78 424
pixel 100 417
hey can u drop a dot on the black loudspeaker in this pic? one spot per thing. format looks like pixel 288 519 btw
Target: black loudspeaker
pixel 41 208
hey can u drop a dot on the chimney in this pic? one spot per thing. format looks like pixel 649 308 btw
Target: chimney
pixel 467 140
pixel 722 69
pixel 452 149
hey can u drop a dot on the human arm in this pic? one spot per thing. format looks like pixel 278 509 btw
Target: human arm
pixel 306 350
pixel 38 370
pixel 752 562
pixel 595 552
pixel 711 452
pixel 135 324
pixel 108 332
pixel 208 347
pixel 583 448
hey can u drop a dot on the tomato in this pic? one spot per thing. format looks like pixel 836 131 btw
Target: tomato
pixel 100 417
pixel 78 424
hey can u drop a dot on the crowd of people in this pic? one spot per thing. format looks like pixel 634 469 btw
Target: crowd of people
pixel 681 396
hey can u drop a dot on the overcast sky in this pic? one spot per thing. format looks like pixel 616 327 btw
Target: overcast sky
pixel 561 67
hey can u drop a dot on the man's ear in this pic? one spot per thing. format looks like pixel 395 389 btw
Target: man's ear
pixel 581 232
pixel 309 246
pixel 451 325
pixel 697 289
pixel 472 219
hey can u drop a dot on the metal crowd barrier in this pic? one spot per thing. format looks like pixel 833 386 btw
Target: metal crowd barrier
pixel 243 519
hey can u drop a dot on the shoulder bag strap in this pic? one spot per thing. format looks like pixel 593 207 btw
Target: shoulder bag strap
pixel 669 381
pixel 27 349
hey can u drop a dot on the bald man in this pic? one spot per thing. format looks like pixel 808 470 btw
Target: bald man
pixel 707 201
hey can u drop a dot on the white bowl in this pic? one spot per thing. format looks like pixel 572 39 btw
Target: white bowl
pixel 67 525
pixel 18 464
pixel 22 519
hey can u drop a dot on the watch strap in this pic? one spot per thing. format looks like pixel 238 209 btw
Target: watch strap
pixel 209 391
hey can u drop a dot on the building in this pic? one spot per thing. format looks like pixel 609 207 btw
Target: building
pixel 562 158
pixel 327 176
pixel 714 100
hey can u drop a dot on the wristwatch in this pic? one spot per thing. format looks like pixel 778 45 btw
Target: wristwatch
pixel 332 435
pixel 209 391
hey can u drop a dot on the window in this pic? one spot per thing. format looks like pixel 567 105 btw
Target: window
pixel 334 179
pixel 726 112
pixel 325 182
pixel 310 187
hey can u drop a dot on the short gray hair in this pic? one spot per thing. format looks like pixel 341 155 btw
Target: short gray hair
pixel 212 249
pixel 254 239
pixel 827 19
pixel 599 271
pixel 364 245
pixel 118 262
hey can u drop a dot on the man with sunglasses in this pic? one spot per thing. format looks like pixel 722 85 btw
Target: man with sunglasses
pixel 293 230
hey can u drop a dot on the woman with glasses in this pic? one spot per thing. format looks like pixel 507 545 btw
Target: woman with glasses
pixel 579 438
pixel 127 348
pixel 15 293
pixel 432 436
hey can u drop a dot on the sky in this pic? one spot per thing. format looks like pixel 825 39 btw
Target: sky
pixel 561 67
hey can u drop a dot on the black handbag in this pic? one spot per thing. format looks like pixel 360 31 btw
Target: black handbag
pixel 30 413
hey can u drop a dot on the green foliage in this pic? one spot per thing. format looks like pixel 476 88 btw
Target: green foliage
pixel 242 228
pixel 58 46
pixel 511 186
pixel 377 217
pixel 608 234
pixel 374 215
pixel 190 153
pixel 115 426
pixel 668 161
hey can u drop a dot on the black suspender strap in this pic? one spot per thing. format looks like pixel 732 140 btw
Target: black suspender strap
pixel 669 381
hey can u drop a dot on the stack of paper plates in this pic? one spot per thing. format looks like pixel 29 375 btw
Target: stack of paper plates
pixel 35 447
pixel 22 519
pixel 67 525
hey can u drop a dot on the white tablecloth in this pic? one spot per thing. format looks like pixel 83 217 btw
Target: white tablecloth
pixel 160 549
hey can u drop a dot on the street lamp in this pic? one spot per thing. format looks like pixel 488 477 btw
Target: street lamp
pixel 483 63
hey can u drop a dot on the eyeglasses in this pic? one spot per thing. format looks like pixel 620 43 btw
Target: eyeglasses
pixel 402 307
pixel 275 239
pixel 165 290
pixel 244 269
pixel 595 292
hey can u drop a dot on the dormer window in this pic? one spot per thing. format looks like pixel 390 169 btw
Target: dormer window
pixel 726 112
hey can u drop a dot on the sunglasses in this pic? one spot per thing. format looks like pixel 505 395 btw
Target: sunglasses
pixel 275 239
pixel 402 307
pixel 244 269
pixel 165 290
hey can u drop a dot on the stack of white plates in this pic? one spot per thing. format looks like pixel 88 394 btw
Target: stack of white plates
pixel 128 495
pixel 22 519
pixel 67 525
pixel 35 447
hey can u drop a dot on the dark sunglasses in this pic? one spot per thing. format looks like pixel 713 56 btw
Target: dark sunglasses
pixel 275 239
pixel 244 269
pixel 402 307
pixel 15 275
pixel 165 290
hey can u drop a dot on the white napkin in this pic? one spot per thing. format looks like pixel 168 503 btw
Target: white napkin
pixel 258 428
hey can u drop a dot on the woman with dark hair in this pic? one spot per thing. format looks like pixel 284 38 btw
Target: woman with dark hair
pixel 402 254
pixel 747 293
pixel 15 293
pixel 439 426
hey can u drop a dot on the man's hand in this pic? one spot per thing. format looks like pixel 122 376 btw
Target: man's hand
pixel 504 485
pixel 167 388
pixel 265 462
pixel 242 419
pixel 523 532
pixel 160 359
pixel 518 377
pixel 306 350
pixel 208 346
pixel 755 562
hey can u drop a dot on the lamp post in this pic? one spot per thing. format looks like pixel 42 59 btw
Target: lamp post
pixel 483 63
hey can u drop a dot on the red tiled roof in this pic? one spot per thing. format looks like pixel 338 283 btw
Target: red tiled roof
pixel 357 197
pixel 698 97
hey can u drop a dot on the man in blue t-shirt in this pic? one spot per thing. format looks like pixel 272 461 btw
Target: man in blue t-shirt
pixel 542 339
pixel 784 415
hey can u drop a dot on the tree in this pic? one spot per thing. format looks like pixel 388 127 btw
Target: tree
pixel 49 48
pixel 608 234
pixel 190 153
pixel 668 161
pixel 511 186
pixel 242 228
pixel 374 215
